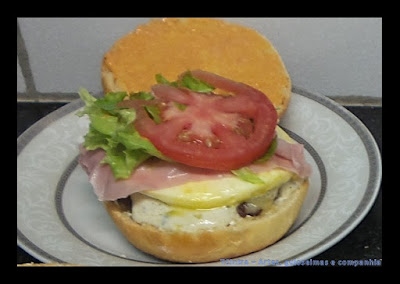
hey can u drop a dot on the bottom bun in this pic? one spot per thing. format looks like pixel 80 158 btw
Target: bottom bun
pixel 254 234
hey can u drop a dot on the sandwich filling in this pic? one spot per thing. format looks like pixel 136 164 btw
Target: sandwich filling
pixel 190 187
pixel 147 210
pixel 171 197
pixel 182 157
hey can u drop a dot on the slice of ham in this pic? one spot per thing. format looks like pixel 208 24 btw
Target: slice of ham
pixel 157 174
pixel 294 153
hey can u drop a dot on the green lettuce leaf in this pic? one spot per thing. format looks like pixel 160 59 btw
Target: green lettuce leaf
pixel 161 80
pixel 270 152
pixel 111 129
pixel 110 100
pixel 195 84
pixel 147 96
pixel 95 139
pixel 88 99
pixel 132 140
pixel 155 113
pixel 122 161
pixel 187 81
pixel 180 106
pixel 247 175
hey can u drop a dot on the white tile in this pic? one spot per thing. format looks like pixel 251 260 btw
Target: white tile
pixel 66 53
pixel 21 87
pixel 331 56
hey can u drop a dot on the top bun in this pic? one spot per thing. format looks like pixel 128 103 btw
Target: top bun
pixel 171 46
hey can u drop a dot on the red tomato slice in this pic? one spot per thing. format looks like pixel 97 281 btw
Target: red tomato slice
pixel 207 130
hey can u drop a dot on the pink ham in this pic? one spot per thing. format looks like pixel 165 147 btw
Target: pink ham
pixel 90 159
pixel 152 174
pixel 295 154
pixel 156 174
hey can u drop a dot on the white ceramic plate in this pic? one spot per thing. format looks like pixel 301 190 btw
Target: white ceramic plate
pixel 60 220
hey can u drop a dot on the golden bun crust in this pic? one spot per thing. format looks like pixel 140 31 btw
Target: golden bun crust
pixel 206 246
pixel 172 46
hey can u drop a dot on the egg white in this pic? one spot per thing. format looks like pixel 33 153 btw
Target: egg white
pixel 224 191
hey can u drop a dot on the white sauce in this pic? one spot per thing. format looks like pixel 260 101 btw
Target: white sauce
pixel 161 215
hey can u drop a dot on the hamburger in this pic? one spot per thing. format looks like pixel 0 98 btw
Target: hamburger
pixel 184 149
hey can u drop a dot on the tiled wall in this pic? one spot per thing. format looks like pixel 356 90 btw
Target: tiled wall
pixel 335 57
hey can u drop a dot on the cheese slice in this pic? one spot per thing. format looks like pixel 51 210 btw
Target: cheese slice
pixel 224 191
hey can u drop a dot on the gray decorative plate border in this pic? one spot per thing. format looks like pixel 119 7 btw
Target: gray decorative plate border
pixel 374 178
pixel 364 205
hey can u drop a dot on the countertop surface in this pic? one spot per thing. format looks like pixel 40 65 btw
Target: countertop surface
pixel 363 243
